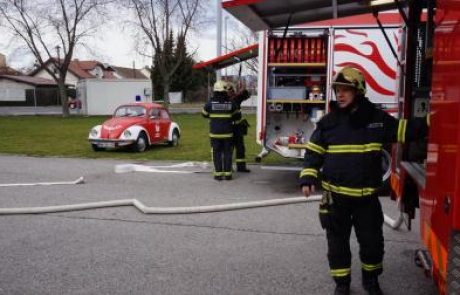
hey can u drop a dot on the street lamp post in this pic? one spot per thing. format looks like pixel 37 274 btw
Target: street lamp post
pixel 219 34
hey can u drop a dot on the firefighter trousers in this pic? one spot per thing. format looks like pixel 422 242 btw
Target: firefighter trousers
pixel 366 216
pixel 240 150
pixel 222 156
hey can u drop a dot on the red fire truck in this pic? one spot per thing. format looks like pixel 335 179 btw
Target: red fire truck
pixel 425 176
pixel 298 63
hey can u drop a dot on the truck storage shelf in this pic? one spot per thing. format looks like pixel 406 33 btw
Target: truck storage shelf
pixel 287 100
pixel 299 65
pixel 298 75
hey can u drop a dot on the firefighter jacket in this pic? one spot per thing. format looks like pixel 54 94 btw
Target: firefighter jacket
pixel 241 125
pixel 222 114
pixel 347 145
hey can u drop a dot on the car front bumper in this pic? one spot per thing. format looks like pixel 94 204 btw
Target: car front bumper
pixel 111 143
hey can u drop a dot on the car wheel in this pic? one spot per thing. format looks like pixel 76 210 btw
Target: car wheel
pixel 141 143
pixel 175 138
pixel 96 148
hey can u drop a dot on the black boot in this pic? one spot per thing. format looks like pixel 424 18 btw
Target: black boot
pixel 218 178
pixel 241 167
pixel 371 285
pixel 342 289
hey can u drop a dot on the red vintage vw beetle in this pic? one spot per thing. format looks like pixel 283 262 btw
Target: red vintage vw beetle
pixel 137 126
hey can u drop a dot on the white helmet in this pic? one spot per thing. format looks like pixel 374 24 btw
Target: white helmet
pixel 220 86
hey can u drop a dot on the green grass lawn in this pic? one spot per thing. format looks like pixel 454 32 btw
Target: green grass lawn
pixel 67 137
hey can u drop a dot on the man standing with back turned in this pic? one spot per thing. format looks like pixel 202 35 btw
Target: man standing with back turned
pixel 347 145
pixel 222 114
pixel 240 129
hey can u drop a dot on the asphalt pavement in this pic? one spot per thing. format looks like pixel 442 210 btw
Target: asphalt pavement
pixel 119 250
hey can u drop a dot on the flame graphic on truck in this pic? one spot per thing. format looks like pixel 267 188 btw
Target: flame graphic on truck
pixel 367 50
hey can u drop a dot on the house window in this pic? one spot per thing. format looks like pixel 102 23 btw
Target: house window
pixel 12 94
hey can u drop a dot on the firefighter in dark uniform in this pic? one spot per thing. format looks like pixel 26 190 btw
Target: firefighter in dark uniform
pixel 240 129
pixel 222 113
pixel 347 146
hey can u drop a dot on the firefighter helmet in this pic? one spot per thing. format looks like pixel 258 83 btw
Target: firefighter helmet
pixel 220 86
pixel 351 77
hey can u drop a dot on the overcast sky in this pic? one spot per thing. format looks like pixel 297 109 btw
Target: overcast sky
pixel 116 45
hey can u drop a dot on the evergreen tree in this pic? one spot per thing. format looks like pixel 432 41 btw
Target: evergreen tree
pixel 192 83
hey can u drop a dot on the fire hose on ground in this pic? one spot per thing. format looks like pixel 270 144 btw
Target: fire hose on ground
pixel 394 224
pixel 158 210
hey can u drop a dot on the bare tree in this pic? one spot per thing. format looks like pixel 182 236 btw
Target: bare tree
pixel 161 20
pixel 49 26
pixel 241 39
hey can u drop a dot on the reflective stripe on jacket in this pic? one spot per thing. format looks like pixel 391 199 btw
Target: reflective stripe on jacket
pixel 347 146
pixel 222 114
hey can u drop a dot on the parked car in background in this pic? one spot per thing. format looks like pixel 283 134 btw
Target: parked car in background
pixel 137 126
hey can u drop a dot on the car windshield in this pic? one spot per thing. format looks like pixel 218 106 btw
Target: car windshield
pixel 130 111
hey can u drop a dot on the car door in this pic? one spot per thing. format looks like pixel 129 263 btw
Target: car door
pixel 154 125
pixel 165 123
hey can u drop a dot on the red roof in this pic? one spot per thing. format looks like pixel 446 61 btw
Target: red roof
pixel 78 69
pixel 82 68
pixel 229 59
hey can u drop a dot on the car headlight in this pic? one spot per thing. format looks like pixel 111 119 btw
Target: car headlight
pixel 94 132
pixel 127 133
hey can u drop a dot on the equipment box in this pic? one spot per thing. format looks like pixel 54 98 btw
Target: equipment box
pixel 291 93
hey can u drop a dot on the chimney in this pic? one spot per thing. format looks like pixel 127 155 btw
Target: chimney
pixel 2 61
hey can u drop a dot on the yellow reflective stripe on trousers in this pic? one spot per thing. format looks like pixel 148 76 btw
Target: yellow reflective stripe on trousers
pixel 371 267
pixel 227 173
pixel 218 173
pixel 309 172
pixel 348 191
pixel 355 148
pixel 341 272
pixel 240 160
pixel 220 116
pixel 225 135
pixel 314 147
pixel 401 137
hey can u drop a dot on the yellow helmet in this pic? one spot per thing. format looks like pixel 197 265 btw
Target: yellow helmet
pixel 351 77
pixel 220 86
